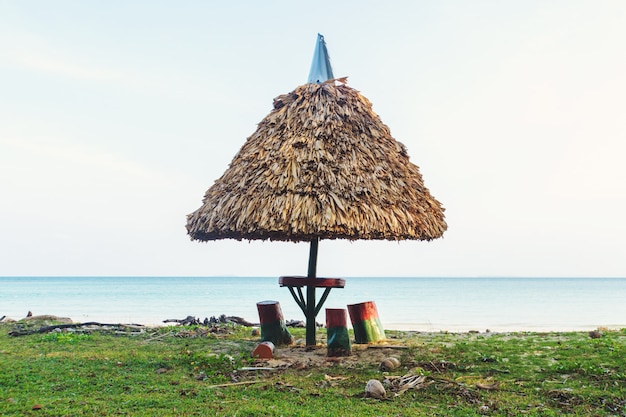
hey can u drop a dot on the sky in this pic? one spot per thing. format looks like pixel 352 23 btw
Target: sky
pixel 116 117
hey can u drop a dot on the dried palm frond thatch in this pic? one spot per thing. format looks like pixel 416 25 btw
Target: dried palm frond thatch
pixel 321 165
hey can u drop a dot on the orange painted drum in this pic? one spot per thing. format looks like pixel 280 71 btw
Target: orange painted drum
pixel 363 311
pixel 264 350
pixel 366 323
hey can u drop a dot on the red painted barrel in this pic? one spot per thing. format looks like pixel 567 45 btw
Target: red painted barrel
pixel 336 317
pixel 269 311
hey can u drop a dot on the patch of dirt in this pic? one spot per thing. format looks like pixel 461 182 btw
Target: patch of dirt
pixel 299 356
pixel 565 398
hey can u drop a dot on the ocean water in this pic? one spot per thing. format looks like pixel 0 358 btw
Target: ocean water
pixel 421 304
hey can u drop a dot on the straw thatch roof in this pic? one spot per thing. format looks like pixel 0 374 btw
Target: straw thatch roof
pixel 320 165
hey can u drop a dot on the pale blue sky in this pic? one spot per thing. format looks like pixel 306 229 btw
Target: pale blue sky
pixel 116 116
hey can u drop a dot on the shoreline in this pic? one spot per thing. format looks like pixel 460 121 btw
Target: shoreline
pixel 393 327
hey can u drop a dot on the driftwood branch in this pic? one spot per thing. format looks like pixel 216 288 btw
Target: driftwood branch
pixel 191 320
pixel 46 329
pixel 231 384
pixel 387 347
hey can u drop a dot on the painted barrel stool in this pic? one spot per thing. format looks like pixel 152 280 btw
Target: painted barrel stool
pixel 366 323
pixel 338 339
pixel 273 328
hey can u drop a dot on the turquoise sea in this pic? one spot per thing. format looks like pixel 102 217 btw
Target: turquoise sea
pixel 421 304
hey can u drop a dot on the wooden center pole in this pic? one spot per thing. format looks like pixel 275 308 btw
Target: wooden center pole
pixel 310 294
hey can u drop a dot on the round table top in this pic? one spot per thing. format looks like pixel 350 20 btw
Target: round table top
pixel 302 281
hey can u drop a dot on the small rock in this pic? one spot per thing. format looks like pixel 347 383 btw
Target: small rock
pixel 595 334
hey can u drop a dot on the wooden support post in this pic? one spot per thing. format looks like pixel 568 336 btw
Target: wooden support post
pixel 365 322
pixel 273 327
pixel 337 332
pixel 310 294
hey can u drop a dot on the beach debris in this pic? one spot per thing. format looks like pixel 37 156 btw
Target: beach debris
pixel 437 366
pixel 189 320
pixel 334 378
pixel 489 386
pixel 21 330
pixel 331 381
pixel 400 384
pixel 223 319
pixel 595 334
pixel 384 345
pixel 221 357
pixel 232 319
pixel 48 319
pixel 388 364
pixel 374 389
pixel 232 384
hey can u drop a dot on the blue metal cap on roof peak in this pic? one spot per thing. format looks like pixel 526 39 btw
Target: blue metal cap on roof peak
pixel 320 67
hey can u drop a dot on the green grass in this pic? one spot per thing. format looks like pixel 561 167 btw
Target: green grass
pixel 187 371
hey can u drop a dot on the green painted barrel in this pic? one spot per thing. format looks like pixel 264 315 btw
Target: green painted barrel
pixel 338 339
pixel 366 323
pixel 273 327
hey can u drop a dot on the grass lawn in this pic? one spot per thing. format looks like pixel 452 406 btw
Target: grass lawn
pixel 205 371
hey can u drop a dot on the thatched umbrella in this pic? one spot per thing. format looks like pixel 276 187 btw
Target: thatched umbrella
pixel 321 165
